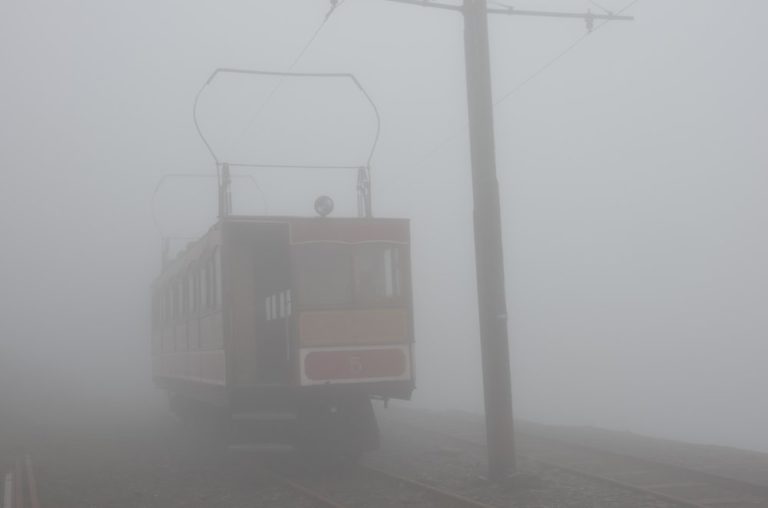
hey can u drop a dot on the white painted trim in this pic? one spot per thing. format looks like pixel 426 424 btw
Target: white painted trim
pixel 342 242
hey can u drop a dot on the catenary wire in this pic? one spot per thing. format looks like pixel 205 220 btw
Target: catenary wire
pixel 522 83
pixel 334 5
pixel 559 56
pixel 600 7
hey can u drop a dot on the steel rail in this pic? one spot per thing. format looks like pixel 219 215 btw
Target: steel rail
pixel 618 483
pixel 440 494
pixel 740 486
pixel 710 479
pixel 441 497
pixel 304 490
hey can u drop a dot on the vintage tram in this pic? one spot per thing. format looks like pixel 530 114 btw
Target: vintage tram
pixel 293 324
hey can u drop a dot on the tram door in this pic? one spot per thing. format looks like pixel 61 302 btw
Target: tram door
pixel 272 286
pixel 261 302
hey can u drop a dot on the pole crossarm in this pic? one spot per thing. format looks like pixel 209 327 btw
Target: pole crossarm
pixel 512 11
pixel 430 3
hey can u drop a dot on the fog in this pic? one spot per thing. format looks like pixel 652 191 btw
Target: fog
pixel 632 172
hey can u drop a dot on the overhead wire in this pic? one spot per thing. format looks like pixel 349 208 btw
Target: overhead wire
pixel 335 4
pixel 560 55
pixel 600 7
pixel 524 82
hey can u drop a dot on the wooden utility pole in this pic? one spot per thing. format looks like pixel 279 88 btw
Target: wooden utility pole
pixel 489 252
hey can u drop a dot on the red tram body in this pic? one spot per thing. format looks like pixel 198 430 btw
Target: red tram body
pixel 305 319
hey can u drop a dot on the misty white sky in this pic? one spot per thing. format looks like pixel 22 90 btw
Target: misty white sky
pixel 633 176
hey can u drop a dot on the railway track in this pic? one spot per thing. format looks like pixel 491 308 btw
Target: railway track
pixel 379 489
pixel 685 486
pixel 313 494
pixel 672 483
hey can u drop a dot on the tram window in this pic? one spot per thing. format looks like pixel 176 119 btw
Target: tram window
pixel 204 287
pixel 159 311
pixel 213 282
pixel 194 291
pixel 324 274
pixel 185 297
pixel 182 298
pixel 190 292
pixel 167 306
pixel 377 272
pixel 176 301
pixel 156 313
pixel 394 271
pixel 216 280
pixel 170 315
pixel 209 284
pixel 331 274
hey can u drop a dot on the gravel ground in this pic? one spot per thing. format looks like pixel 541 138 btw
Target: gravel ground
pixel 149 459
pixel 364 488
pixel 131 463
pixel 744 465
pixel 460 467
pixel 670 466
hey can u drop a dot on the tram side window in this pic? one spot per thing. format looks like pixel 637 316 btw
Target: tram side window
pixel 208 285
pixel 191 291
pixel 204 287
pixel 216 280
pixel 196 291
pixel 167 306
pixel 211 280
pixel 172 309
pixel 278 305
pixel 157 313
pixel 179 301
pixel 174 303
pixel 185 297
